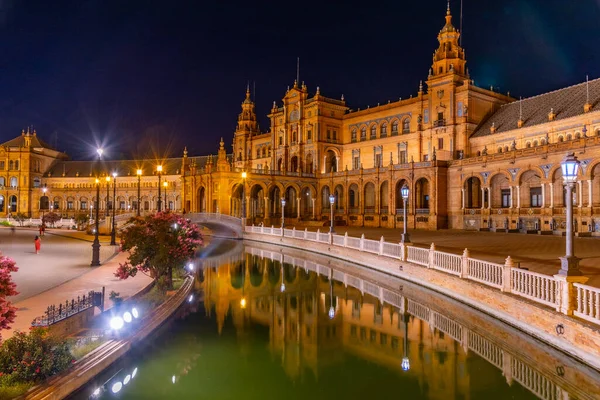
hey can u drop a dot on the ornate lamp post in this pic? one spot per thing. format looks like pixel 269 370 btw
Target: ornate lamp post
pixel 282 214
pixel 569 264
pixel 44 190
pixel 139 175
pixel 112 232
pixel 96 243
pixel 166 185
pixel 159 170
pixel 331 202
pixel 107 194
pixel 244 176
pixel 405 192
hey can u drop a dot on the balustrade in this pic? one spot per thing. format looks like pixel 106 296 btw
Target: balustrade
pixel 534 286
pixel 588 302
pixel 485 272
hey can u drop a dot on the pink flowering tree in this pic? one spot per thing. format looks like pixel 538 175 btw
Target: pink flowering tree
pixel 158 245
pixel 7 288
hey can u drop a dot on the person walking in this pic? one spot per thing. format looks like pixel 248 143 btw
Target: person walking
pixel 38 244
pixel 41 231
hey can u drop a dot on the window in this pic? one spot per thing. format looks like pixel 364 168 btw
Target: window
pixel 17 165
pixel 561 139
pixel 441 70
pixel 83 205
pixel 394 128
pixel 406 125
pixel 363 134
pixel 402 159
pixel 37 182
pixel 2 165
pixel 505 195
pixel 353 135
pixel 280 140
pixel 440 116
pixel 310 114
pixel 460 110
pixel 378 161
pixel 309 134
pixel 535 143
pixel 425 157
pixel 426 116
pixel 373 132
pixel 69 204
pixel 328 134
pixel 55 205
pixel 440 143
pixel 334 135
pixel 14 182
pixel 535 194
pixel 11 165
pixel 122 205
pixel 356 161
pixel 383 130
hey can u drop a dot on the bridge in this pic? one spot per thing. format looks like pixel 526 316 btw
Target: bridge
pixel 221 225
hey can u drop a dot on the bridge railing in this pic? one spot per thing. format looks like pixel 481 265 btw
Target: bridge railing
pixel 546 290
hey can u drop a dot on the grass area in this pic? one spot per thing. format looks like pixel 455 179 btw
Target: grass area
pixel 80 350
pixel 10 390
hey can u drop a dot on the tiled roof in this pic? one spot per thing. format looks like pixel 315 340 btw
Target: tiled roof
pixel 20 141
pixel 171 166
pixel 567 102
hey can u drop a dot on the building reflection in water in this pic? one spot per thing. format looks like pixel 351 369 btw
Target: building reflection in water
pixel 313 312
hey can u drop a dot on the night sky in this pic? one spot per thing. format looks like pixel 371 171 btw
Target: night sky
pixel 149 77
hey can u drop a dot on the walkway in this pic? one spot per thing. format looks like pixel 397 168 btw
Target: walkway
pixel 61 271
pixel 535 252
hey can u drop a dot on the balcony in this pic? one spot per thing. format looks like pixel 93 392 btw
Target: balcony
pixel 439 123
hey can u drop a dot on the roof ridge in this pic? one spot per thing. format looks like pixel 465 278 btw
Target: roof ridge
pixel 552 91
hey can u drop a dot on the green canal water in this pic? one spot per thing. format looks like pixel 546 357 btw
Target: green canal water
pixel 264 324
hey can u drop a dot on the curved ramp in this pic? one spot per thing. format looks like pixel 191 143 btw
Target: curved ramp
pixel 221 225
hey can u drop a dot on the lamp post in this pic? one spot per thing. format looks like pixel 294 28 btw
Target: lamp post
pixel 139 175
pixel 282 214
pixel 569 264
pixel 166 185
pixel 404 192
pixel 107 194
pixel 96 244
pixel 112 232
pixel 159 172
pixel 44 190
pixel 331 202
pixel 244 176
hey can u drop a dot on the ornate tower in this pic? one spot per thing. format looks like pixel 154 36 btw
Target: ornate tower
pixel 247 127
pixel 449 58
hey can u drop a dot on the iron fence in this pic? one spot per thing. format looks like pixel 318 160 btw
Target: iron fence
pixel 56 313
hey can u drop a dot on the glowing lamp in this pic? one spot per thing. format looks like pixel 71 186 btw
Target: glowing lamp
pixel 404 192
pixel 570 168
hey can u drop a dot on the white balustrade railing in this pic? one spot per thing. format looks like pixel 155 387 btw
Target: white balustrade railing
pixel 418 310
pixel 447 262
pixel 534 286
pixel 392 250
pixel 371 289
pixel 323 237
pixel 338 240
pixel 418 255
pixel 535 382
pixel 486 349
pixel 485 272
pixel 311 236
pixel 353 243
pixel 448 326
pixel 588 302
pixel 372 246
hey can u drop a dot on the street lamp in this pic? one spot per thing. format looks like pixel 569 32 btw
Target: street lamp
pixel 404 192
pixel 244 176
pixel 331 202
pixel 112 233
pixel 44 190
pixel 166 185
pixel 139 175
pixel 569 264
pixel 107 194
pixel 159 170
pixel 96 243
pixel 282 214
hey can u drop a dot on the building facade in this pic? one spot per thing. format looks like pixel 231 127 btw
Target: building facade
pixel 471 157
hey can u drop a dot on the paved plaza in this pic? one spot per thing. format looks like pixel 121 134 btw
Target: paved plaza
pixel 61 271
pixel 535 252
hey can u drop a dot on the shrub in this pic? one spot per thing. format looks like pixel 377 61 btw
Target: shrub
pixel 34 356
pixel 5 223
pixel 20 218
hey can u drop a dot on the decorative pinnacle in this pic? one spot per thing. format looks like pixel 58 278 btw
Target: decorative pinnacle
pixel 448 8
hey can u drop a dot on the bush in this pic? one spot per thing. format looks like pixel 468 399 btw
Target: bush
pixel 5 223
pixel 34 356
pixel 10 389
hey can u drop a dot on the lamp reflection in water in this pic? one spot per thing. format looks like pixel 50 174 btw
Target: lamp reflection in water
pixel 282 288
pixel 243 300
pixel 405 360
pixel 331 308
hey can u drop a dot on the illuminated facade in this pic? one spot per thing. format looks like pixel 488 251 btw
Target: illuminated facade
pixel 471 157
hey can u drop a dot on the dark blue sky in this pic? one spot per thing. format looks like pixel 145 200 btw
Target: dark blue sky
pixel 148 77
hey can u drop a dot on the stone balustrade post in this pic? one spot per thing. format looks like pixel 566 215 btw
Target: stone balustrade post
pixel 305 233
pixel 507 275
pixel 381 241
pixel 566 301
pixel 431 256
pixel 403 251
pixel 293 231
pixel 464 266
pixel 346 239
pixel 507 367
pixel 362 242
pixel 331 238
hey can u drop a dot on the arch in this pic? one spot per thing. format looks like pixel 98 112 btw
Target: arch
pixel 44 203
pixel 473 192
pixel 398 196
pixel 535 143
pixel 369 198
pixel 383 129
pixel 12 203
pixel 325 192
pixel 500 190
pixel 235 206
pixel 561 139
pixel 14 182
pixel 384 197
pixel 275 195
pixel 569 137
pixel 307 193
pixel 543 141
pixel 406 125
pixel 291 205
pixel 309 163
pixel 2 203
pixel 294 165
pixel 528 144
pixel 499 149
pixel 201 206
pixel 331 161
pixel 394 127
pixel 363 133
pixel 373 134
pixel 279 164
pixel 530 189
pixel 339 197
pixel 256 271
pixel 422 194
pixel 256 208
pixel 353 198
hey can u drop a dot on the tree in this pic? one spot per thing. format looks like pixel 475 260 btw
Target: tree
pixel 82 219
pixel 20 218
pixel 51 218
pixel 7 288
pixel 158 244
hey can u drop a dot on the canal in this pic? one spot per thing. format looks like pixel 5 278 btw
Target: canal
pixel 268 323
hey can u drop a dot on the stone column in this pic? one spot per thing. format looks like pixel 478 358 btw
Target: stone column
pixel 511 197
pixel 551 194
pixel 589 193
pixel 313 206
pixel 579 194
pixel 489 190
pixel 543 195
pixel 463 199
pixel 298 207
pixel 482 197
pixel 266 212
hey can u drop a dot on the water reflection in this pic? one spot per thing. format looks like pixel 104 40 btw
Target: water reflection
pixel 332 330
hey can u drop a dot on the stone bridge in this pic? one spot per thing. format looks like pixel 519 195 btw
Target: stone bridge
pixel 220 224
